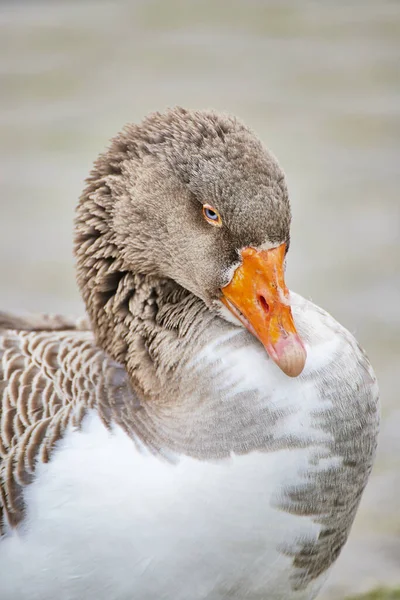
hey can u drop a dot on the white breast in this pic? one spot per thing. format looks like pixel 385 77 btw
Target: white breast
pixel 106 521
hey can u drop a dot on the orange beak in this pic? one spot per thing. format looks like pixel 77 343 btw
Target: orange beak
pixel 259 298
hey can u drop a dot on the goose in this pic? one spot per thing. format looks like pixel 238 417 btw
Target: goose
pixel 203 433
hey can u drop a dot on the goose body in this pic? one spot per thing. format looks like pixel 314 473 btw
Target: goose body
pixel 159 451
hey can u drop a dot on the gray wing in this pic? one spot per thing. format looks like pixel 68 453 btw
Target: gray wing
pixel 51 373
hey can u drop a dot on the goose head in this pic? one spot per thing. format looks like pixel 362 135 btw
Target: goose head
pixel 192 197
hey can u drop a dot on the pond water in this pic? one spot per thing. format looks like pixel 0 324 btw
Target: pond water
pixel 319 82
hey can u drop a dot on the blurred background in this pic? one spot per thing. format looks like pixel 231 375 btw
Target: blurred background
pixel 320 83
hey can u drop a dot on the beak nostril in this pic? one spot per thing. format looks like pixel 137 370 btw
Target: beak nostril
pixel 264 303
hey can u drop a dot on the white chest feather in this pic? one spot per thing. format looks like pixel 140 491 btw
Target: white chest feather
pixel 107 521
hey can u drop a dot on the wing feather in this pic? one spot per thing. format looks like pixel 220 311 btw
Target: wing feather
pixel 51 372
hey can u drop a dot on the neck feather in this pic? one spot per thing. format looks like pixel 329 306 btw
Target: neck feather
pixel 136 318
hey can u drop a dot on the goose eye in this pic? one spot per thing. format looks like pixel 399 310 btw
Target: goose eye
pixel 212 216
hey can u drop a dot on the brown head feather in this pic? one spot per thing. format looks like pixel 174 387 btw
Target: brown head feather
pixel 139 223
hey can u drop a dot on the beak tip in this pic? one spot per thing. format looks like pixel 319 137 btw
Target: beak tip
pixel 291 357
